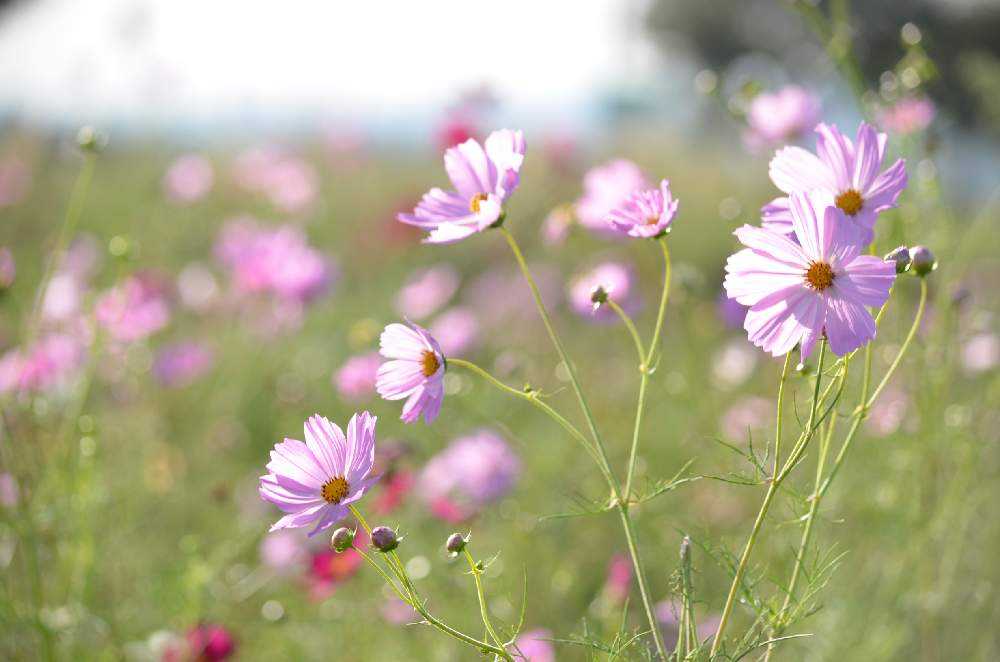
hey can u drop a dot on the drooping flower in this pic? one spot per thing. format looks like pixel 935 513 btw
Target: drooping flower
pixel 849 174
pixel 800 291
pixel 616 280
pixel 484 177
pixel 134 309
pixel 909 115
pixel 782 116
pixel 415 371
pixel 534 646
pixel 188 179
pixel 472 472
pixel 355 380
pixel 645 213
pixel 605 188
pixel 426 291
pixel 315 481
pixel 181 364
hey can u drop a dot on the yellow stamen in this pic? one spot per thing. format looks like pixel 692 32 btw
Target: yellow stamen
pixel 819 276
pixel 335 489
pixel 476 200
pixel 850 201
pixel 430 363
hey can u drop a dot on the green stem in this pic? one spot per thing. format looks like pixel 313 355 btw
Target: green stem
pixel 646 368
pixel 633 332
pixel 616 493
pixel 772 489
pixel 483 611
pixel 781 404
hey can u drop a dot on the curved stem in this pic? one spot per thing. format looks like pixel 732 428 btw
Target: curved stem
pixel 483 611
pixel 646 368
pixel 633 332
pixel 906 343
pixel 616 494
pixel 772 489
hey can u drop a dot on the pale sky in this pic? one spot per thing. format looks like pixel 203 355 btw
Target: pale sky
pixel 162 62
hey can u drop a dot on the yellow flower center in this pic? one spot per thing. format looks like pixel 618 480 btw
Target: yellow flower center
pixel 476 200
pixel 652 220
pixel 850 202
pixel 430 363
pixel 819 276
pixel 335 489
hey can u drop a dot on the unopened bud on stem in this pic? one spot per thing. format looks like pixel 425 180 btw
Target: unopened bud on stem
pixel 384 539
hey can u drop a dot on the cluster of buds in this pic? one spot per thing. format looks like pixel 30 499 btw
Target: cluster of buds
pixel 918 259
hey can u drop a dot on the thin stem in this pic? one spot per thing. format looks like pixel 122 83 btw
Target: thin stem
pixel 633 332
pixel 646 368
pixel 906 343
pixel 616 494
pixel 70 221
pixel 781 404
pixel 483 611
pixel 772 489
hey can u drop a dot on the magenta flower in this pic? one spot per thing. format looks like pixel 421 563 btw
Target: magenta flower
pixel 188 179
pixel 645 213
pixel 484 176
pixel 356 378
pixel 534 646
pixel 426 291
pixel 134 309
pixel 316 480
pixel 820 285
pixel 181 364
pixel 472 472
pixel 848 173
pixel 210 642
pixel 616 280
pixel 604 189
pixel 910 115
pixel 415 371
pixel 777 117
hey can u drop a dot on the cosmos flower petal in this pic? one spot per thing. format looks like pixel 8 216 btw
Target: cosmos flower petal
pixel 795 169
pixel 778 247
pixel 777 216
pixel 399 341
pixel 327 443
pixel 867 159
pixel 330 516
pixel 361 431
pixel 294 459
pixel 469 169
pixel 866 281
pixel 849 325
pixel 837 152
pixel 884 191
pixel 302 518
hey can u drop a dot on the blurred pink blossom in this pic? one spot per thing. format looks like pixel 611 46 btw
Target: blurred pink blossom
pixel 981 353
pixel 910 115
pixel 619 578
pixel 750 413
pixel 134 309
pixel 49 364
pixel 535 646
pixel 616 279
pixel 355 380
pixel 426 291
pixel 188 179
pixel 778 117
pixel 456 330
pixel 605 188
pixel 288 182
pixel 555 227
pixel 283 551
pixel 888 412
pixel 182 363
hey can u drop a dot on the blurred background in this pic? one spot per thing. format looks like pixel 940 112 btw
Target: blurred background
pixel 235 204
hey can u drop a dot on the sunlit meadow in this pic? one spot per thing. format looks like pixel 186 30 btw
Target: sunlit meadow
pixel 719 393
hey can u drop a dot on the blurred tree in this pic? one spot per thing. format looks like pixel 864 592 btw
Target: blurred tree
pixel 960 36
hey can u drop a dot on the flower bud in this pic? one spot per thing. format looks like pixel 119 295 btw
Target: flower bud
pixel 456 543
pixel 598 296
pixel 922 261
pixel 901 256
pixel 90 139
pixel 342 539
pixel 384 539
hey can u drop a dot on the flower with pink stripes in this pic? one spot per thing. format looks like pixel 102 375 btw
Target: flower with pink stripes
pixel 645 214
pixel 315 481
pixel 415 371
pixel 484 176
pixel 818 286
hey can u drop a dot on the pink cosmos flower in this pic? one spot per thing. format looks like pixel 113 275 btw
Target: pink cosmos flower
pixel 910 115
pixel 289 183
pixel 181 364
pixel 394 490
pixel 800 291
pixel 415 371
pixel 472 472
pixel 426 291
pixel 604 189
pixel 778 117
pixel 847 173
pixel 484 176
pixel 208 642
pixel 355 380
pixel 534 646
pixel 134 309
pixel 619 578
pixel 316 480
pixel 189 179
pixel 645 213
pixel 616 279
pixel 457 330
pixel 555 227
pixel 49 364
pixel 328 569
